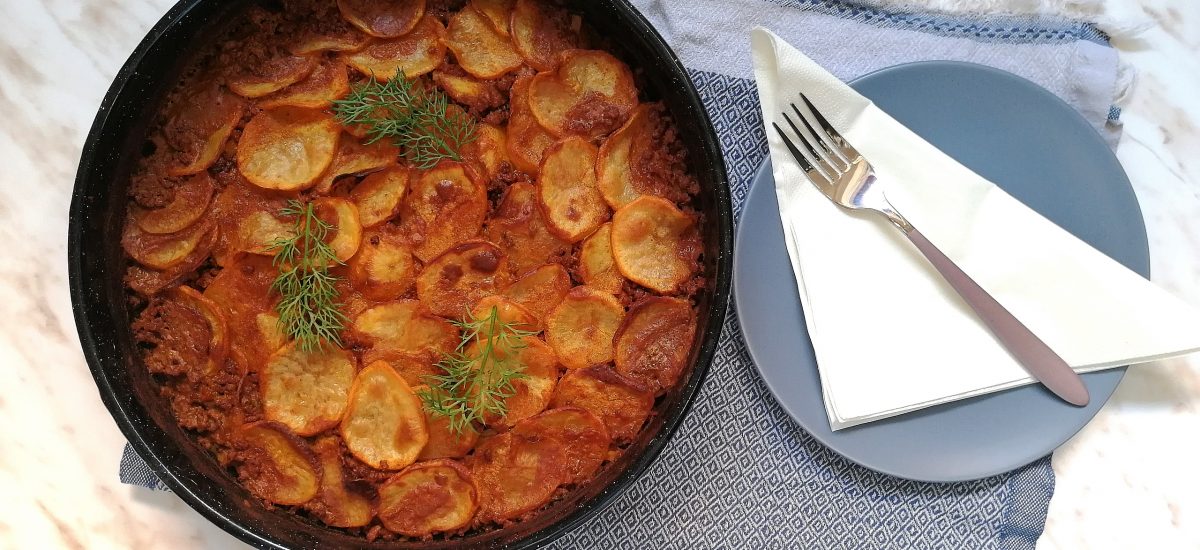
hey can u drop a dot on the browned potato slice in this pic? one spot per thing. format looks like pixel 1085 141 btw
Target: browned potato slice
pixel 654 343
pixel 478 46
pixel 273 75
pixel 186 208
pixel 581 328
pixel 540 32
pixel 337 505
pixel 383 18
pixel 335 35
pixel 270 331
pixel 621 403
pixel 540 290
pixel 218 326
pixel 533 391
pixel 581 433
pixel 517 474
pixel 148 282
pixel 497 12
pixel 378 196
pixel 596 266
pixel 326 83
pixel 354 157
pixel 414 367
pixel 257 233
pixel 446 205
pixel 307 391
pixel 276 465
pixel 614 169
pixel 415 53
pixel 405 326
pixel 384 268
pixel 287 148
pixel 590 94
pixel 444 443
pixel 567 193
pixel 454 281
pixel 520 230
pixel 237 201
pixel 346 235
pixel 162 251
pixel 489 151
pixel 384 425
pixel 199 125
pixel 477 95
pixel 655 244
pixel 431 497
pixel 527 140
pixel 508 312
pixel 243 292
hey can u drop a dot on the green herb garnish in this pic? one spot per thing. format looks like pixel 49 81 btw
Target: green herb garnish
pixel 308 311
pixel 418 118
pixel 478 376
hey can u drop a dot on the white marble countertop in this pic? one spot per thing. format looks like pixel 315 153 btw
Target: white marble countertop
pixel 1128 480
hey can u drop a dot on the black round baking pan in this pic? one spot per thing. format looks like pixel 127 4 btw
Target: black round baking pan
pixel 96 266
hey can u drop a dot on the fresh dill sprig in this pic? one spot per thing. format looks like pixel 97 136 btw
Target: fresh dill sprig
pixel 477 377
pixel 418 118
pixel 308 309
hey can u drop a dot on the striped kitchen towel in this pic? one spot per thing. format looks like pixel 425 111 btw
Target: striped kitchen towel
pixel 739 473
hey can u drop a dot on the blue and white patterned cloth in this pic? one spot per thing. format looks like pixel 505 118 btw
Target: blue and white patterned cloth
pixel 739 473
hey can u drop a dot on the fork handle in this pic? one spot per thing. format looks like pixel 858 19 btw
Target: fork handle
pixel 1041 361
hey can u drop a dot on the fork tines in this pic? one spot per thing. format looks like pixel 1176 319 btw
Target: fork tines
pixel 823 144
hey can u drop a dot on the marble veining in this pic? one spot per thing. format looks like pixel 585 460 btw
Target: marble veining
pixel 1128 480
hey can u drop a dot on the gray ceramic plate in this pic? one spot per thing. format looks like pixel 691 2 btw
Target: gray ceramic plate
pixel 1038 149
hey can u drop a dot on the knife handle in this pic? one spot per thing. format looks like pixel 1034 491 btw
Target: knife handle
pixel 1037 358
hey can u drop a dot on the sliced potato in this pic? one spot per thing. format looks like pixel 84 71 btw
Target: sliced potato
pixel 288 148
pixel 383 18
pixel 405 326
pixel 199 125
pixel 620 402
pixel 581 327
pixel 527 140
pixel 655 244
pixel 218 326
pixel 242 291
pixel 326 83
pixel 541 289
pixel 307 391
pixel 431 497
pixel 257 232
pixel 590 94
pixel 162 251
pixel 414 54
pixel 271 331
pixel 356 158
pixel 384 425
pixel 477 95
pixel 615 167
pixel 384 268
pixel 516 474
pixel 443 442
pixel 508 312
pixel 596 265
pixel 414 367
pixel 567 193
pixel 148 282
pixel 520 230
pixel 342 215
pixel 276 465
pixel 540 32
pixel 456 280
pixel 335 35
pixel 497 12
pixel 655 341
pixel 378 196
pixel 235 203
pixel 189 204
pixel 581 433
pixel 489 150
pixel 532 392
pixel 339 506
pixel 479 47
pixel 445 205
pixel 273 75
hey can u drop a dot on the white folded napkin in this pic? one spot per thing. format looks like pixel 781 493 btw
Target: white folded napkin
pixel 891 336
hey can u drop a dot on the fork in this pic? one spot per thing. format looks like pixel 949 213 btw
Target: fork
pixel 846 178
